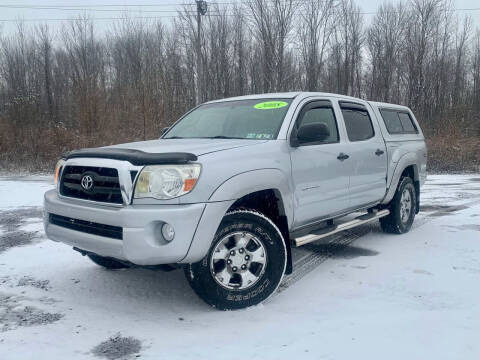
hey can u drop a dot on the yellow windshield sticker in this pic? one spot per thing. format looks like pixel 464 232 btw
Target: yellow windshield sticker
pixel 270 105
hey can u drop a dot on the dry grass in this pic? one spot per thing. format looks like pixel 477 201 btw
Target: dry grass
pixel 451 153
pixel 36 149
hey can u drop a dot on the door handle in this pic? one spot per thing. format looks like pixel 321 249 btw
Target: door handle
pixel 379 152
pixel 342 156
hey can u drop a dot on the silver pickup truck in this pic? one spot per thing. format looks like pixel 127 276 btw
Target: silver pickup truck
pixel 232 186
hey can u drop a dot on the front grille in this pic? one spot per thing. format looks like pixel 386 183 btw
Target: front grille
pixel 105 186
pixel 114 232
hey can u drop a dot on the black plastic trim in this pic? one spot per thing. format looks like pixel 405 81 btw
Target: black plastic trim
pixel 135 157
pixel 114 232
pixel 352 106
pixel 163 267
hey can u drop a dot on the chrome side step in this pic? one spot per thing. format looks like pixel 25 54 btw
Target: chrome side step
pixel 330 230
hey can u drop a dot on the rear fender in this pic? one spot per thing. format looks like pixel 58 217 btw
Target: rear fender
pixel 408 159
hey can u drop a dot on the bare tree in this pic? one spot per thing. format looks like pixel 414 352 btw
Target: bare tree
pixel 346 58
pixel 385 41
pixel 272 21
pixel 77 87
pixel 316 26
pixel 422 17
pixel 86 61
pixel 45 42
pixel 218 55
pixel 461 40
pixel 475 70
pixel 240 51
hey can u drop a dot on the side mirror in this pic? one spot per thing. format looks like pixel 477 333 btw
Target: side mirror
pixel 165 129
pixel 309 133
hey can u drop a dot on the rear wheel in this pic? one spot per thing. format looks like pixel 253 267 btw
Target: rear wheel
pixel 402 209
pixel 244 264
pixel 107 263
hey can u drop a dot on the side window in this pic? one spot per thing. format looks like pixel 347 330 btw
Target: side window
pixel 357 121
pixel 323 114
pixel 407 123
pixel 392 121
pixel 398 122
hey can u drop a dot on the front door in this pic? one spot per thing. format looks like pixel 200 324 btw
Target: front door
pixel 320 176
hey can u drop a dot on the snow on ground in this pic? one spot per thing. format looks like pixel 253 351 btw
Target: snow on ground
pixel 23 191
pixel 361 294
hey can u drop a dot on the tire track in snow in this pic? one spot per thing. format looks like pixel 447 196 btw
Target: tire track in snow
pixel 443 212
pixel 310 262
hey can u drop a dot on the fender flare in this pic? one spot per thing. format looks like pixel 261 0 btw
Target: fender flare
pixel 225 195
pixel 408 159
pixel 252 181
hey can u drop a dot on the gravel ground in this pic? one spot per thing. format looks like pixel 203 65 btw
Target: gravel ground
pixel 118 347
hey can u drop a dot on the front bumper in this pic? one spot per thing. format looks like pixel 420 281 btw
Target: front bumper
pixel 141 243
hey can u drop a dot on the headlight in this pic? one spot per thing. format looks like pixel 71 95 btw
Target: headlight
pixel 58 169
pixel 166 181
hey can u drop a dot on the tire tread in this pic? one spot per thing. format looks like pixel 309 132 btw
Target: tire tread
pixel 390 224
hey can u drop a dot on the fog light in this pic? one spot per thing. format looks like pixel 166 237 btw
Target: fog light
pixel 168 232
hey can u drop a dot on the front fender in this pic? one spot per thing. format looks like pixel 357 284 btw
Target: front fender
pixel 226 194
pixel 256 180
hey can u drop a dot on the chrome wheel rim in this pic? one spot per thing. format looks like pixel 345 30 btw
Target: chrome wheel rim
pixel 405 206
pixel 238 261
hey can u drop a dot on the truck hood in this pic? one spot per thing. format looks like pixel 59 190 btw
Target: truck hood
pixel 195 146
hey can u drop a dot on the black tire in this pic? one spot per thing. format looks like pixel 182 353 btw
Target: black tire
pixel 107 263
pixel 202 278
pixel 393 223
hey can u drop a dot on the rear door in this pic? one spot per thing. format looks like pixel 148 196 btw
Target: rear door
pixel 367 154
pixel 320 179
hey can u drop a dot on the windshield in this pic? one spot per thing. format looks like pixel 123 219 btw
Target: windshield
pixel 241 119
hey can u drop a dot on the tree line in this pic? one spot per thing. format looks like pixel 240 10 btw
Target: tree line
pixel 76 86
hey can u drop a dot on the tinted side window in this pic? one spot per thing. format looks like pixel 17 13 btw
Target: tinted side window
pixel 322 115
pixel 407 123
pixel 392 121
pixel 398 122
pixel 358 124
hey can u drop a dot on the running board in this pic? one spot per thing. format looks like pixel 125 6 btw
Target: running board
pixel 333 229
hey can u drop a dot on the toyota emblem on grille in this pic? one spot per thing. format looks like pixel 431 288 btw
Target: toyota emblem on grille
pixel 87 182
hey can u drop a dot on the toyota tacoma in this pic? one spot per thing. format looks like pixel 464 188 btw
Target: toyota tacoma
pixel 233 185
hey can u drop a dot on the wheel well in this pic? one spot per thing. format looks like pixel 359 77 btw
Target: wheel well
pixel 270 203
pixel 412 172
pixel 409 171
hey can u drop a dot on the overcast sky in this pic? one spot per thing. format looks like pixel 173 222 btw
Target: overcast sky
pixel 12 10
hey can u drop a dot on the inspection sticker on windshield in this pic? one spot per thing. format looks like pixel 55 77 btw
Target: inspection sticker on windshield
pixel 259 136
pixel 270 105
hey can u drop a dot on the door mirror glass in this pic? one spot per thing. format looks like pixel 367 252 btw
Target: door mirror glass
pixel 310 133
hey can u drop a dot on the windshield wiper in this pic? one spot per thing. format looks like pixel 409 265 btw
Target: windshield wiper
pixel 205 137
pixel 221 137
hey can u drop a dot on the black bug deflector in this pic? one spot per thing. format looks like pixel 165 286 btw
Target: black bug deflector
pixel 135 157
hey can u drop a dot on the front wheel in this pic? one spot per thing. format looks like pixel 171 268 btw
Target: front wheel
pixel 402 209
pixel 244 265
